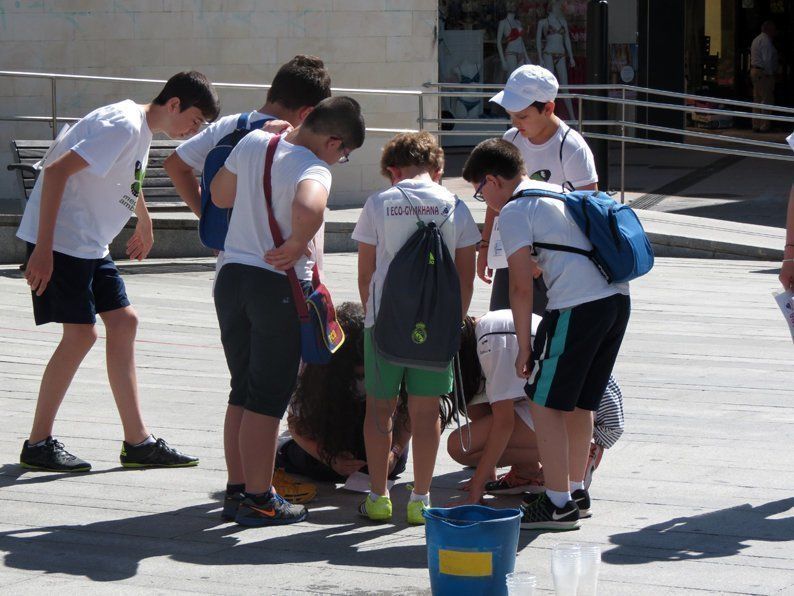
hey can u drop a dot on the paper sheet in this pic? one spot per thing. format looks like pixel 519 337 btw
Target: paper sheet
pixel 359 482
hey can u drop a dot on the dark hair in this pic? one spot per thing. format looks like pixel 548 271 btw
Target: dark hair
pixel 539 105
pixel 301 82
pixel 472 379
pixel 338 117
pixel 493 157
pixel 325 405
pixel 412 149
pixel 193 90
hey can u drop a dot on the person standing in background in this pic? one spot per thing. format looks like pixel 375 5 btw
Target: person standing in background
pixel 763 67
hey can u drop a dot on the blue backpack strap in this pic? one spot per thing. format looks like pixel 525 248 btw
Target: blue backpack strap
pixel 242 121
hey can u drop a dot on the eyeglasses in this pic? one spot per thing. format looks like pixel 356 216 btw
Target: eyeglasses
pixel 345 153
pixel 478 193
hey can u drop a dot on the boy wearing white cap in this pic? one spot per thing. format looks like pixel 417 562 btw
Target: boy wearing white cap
pixel 552 152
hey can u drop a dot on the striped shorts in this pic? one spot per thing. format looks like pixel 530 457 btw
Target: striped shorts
pixel 574 352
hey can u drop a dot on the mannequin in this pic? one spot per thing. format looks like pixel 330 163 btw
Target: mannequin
pixel 554 46
pixel 514 53
pixel 467 73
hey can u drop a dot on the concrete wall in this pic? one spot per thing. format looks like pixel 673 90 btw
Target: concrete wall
pixel 365 44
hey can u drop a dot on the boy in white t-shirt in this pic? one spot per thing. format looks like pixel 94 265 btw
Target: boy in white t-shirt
pixel 86 193
pixel 577 342
pixel 298 86
pixel 260 330
pixel 552 152
pixel 410 161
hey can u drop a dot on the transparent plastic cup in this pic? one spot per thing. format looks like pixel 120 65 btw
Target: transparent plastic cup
pixel 565 567
pixel 590 562
pixel 520 584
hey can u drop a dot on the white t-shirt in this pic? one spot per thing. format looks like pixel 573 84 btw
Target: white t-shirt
pixel 194 151
pixel 98 200
pixel 571 279
pixel 388 220
pixel 248 238
pixel 543 163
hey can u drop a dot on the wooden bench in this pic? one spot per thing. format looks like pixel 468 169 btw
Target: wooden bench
pixel 157 188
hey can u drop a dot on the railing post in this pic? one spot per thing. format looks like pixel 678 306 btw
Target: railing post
pixel 421 111
pixel 581 117
pixel 623 149
pixel 54 108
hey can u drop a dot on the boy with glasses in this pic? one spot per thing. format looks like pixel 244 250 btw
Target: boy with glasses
pixel 259 324
pixel 298 86
pixel 577 343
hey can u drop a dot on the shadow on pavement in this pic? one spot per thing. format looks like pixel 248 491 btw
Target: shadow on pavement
pixel 113 550
pixel 722 533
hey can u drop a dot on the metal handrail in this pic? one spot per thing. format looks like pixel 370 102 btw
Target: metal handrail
pixel 580 93
pixel 622 88
pixel 53 77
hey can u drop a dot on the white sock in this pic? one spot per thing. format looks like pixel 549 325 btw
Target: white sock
pixel 559 498
pixel 375 496
pixel 39 444
pixel 424 498
pixel 577 486
pixel 147 441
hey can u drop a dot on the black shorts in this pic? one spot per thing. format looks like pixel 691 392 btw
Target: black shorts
pixel 78 290
pixel 574 352
pixel 260 333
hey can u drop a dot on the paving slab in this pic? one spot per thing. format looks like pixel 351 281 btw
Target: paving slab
pixel 696 498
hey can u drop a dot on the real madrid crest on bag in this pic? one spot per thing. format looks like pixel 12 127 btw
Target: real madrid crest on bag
pixel 418 323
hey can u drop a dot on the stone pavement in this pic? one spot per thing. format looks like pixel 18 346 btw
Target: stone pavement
pixel 696 497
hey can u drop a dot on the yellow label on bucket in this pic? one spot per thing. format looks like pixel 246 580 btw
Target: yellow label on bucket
pixel 465 563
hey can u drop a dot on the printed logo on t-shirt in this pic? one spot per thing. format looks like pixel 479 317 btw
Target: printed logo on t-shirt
pixel 135 188
pixel 401 219
pixel 541 176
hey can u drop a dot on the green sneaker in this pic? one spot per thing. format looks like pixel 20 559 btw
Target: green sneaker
pixel 415 509
pixel 379 510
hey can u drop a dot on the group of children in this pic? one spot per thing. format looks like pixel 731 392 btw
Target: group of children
pixel 541 393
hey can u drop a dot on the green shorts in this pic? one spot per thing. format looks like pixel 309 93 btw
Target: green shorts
pixel 383 379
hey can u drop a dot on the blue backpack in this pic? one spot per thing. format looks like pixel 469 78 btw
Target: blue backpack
pixel 621 249
pixel 214 221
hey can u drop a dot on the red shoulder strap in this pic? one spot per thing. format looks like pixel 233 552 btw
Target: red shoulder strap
pixel 275 231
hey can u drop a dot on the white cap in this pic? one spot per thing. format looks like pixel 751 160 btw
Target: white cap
pixel 526 85
pixel 790 140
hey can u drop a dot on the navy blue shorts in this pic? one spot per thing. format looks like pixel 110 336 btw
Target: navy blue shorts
pixel 78 290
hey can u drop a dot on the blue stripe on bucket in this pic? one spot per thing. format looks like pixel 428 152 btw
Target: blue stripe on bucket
pixel 549 366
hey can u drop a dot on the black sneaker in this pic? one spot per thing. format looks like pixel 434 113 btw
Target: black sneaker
pixel 154 455
pixel 539 513
pixel 231 503
pixel 582 499
pixel 275 511
pixel 51 457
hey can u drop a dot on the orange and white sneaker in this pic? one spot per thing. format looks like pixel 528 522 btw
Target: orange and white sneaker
pixel 292 490
pixel 513 484
pixel 593 460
